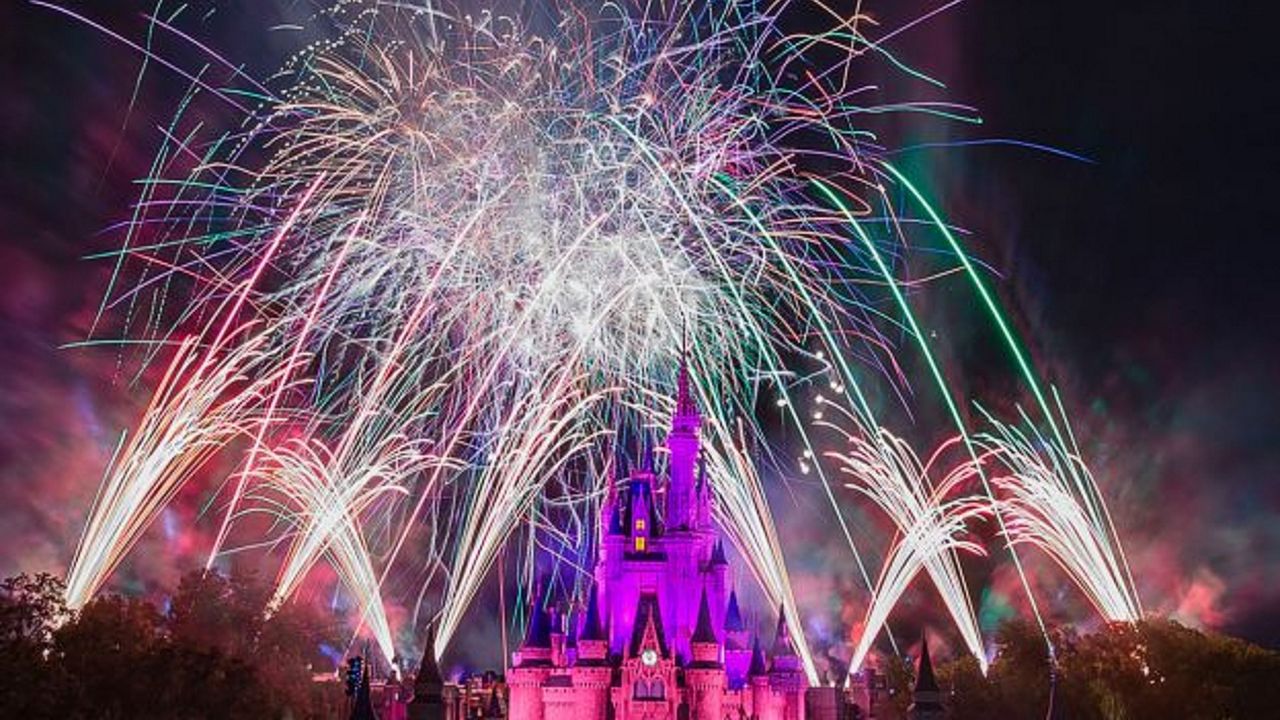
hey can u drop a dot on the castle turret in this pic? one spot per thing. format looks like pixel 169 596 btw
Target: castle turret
pixel 704 677
pixel 704 643
pixel 362 707
pixel 737 644
pixel 762 706
pixel 591 672
pixel 717 582
pixel 593 646
pixel 926 697
pixel 787 681
pixel 532 666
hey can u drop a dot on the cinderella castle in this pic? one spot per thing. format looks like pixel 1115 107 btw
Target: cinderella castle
pixel 661 635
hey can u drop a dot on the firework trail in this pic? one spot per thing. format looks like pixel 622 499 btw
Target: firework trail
pixel 517 469
pixel 929 527
pixel 202 402
pixel 323 498
pixel 742 509
pixel 1038 481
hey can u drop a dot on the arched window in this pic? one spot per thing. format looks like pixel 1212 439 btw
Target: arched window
pixel 649 689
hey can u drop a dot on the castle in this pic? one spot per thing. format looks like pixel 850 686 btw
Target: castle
pixel 662 635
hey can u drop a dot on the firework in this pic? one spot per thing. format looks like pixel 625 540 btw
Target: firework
pixel 202 402
pixel 446 257
pixel 1053 503
pixel 930 524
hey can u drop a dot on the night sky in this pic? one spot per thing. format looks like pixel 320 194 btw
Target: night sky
pixel 1142 281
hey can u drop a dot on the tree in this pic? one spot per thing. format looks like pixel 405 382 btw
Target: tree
pixel 969 694
pixel 1150 669
pixel 899 679
pixel 30 610
pixel 217 654
pixel 232 615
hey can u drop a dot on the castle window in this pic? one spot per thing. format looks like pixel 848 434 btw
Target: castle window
pixel 640 524
pixel 640 544
pixel 649 689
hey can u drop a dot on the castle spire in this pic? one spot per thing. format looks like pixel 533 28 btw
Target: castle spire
pixel 717 554
pixel 704 633
pixel 428 675
pixel 648 454
pixel 926 697
pixel 925 680
pixel 758 666
pixel 362 708
pixel 782 645
pixel 733 616
pixel 591 627
pixel 428 684
pixel 685 500
pixel 685 405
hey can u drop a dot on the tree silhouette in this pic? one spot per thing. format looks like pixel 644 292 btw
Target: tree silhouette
pixel 216 654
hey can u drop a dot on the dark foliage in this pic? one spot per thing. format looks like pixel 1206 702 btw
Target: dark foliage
pixel 217 653
pixel 1154 669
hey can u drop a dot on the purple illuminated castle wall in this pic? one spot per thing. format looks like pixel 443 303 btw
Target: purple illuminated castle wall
pixel 662 635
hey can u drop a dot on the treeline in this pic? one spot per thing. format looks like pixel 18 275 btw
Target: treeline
pixel 1153 669
pixel 211 652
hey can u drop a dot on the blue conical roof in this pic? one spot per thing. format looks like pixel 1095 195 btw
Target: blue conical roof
pixel 733 616
pixel 704 633
pixel 592 629
pixel 758 664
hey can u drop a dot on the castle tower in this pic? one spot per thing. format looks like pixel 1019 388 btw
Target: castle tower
pixel 927 697
pixel 428 685
pixel 682 441
pixel 737 645
pixel 531 667
pixel 762 706
pixel 787 680
pixel 704 676
pixel 591 671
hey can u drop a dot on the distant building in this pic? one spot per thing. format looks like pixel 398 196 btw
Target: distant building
pixel 927 697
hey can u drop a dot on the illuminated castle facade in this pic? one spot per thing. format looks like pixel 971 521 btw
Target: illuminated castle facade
pixel 661 634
